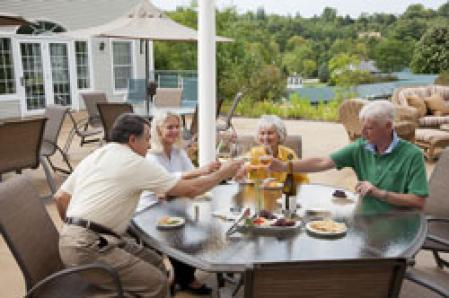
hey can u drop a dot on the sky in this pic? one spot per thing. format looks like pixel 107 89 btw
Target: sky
pixel 308 8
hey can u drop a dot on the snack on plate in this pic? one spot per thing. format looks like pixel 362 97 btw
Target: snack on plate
pixel 339 194
pixel 328 226
pixel 267 214
pixel 259 221
pixel 167 220
pixel 282 222
pixel 272 184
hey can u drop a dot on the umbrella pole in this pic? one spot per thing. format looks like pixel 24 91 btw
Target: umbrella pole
pixel 147 78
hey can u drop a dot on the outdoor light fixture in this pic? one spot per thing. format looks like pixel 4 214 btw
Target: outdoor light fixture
pixel 101 46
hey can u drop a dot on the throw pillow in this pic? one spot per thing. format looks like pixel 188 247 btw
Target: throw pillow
pixel 418 103
pixel 437 105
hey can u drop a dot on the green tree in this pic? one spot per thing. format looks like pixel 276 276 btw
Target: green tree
pixel 323 73
pixel 431 53
pixel 266 84
pixel 392 55
pixel 309 68
pixel 443 10
pixel 344 70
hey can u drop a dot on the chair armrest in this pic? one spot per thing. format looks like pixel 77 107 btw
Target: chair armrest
pixel 439 219
pixel 77 269
pixel 415 277
pixel 406 113
pixel 437 239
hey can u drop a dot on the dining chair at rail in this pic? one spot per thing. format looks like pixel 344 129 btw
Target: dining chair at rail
pixel 168 97
pixel 361 278
pixel 34 244
pixel 225 122
pixel 55 115
pixel 109 111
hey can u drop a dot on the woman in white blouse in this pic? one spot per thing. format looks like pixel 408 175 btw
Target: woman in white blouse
pixel 166 149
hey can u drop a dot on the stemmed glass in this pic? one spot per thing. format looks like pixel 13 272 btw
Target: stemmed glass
pixel 266 159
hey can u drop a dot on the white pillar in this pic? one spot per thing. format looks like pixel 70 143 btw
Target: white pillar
pixel 206 81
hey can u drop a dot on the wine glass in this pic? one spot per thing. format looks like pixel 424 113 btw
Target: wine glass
pixel 224 151
pixel 266 159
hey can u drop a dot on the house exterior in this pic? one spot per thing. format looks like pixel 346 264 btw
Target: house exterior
pixel 39 67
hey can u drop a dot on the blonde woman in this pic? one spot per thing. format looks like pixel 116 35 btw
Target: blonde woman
pixel 166 150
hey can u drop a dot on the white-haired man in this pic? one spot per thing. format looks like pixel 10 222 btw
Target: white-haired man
pixel 391 171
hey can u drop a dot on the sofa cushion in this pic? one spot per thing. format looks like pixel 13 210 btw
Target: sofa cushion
pixel 433 121
pixel 418 103
pixel 437 105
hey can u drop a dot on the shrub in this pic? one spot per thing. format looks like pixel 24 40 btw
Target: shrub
pixel 442 79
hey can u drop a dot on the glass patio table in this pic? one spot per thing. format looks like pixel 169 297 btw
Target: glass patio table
pixel 202 241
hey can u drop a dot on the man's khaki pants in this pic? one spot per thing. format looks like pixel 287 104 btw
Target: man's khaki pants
pixel 140 269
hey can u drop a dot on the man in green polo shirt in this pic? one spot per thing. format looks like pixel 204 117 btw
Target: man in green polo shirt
pixel 390 171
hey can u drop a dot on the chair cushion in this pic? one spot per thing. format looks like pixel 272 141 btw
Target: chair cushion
pixel 437 105
pixel 433 121
pixel 418 103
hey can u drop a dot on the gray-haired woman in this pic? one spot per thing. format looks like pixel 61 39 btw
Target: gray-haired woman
pixel 271 134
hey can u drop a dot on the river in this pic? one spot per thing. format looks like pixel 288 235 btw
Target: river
pixel 405 78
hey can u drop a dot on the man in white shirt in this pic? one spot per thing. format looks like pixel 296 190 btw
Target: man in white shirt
pixel 98 200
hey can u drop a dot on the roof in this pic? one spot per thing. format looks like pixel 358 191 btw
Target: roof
pixel 70 14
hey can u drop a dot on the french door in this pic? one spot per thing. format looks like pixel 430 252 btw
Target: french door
pixel 45 75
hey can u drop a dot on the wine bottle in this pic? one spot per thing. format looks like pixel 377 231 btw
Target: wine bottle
pixel 289 188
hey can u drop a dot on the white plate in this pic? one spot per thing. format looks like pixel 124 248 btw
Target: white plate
pixel 179 223
pixel 311 229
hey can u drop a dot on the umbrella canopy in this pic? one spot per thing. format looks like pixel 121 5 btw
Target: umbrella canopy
pixel 145 21
pixel 7 19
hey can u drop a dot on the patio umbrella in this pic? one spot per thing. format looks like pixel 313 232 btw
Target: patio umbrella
pixel 144 22
pixel 7 19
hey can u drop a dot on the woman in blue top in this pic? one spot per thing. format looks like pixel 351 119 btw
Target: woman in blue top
pixel 166 149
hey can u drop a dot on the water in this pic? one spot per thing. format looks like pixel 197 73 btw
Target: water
pixel 405 78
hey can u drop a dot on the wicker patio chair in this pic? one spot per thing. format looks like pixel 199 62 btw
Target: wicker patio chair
pixel 293 142
pixel 328 278
pixel 405 124
pixel 32 238
pixel 55 115
pixel 168 97
pixel 109 111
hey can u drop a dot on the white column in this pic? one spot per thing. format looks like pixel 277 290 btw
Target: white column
pixel 206 81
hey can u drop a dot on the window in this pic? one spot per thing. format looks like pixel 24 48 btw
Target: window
pixel 121 63
pixel 7 82
pixel 82 64
pixel 40 27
